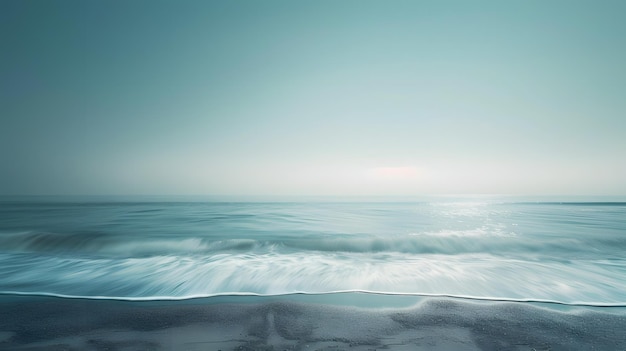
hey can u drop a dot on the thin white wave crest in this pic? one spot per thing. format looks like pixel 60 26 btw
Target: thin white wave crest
pixel 443 242
pixel 447 243
pixel 95 243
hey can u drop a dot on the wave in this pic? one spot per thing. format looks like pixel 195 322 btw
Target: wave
pixel 100 244
pixel 443 242
pixel 476 275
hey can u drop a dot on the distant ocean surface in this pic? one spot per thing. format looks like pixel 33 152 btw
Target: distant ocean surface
pixel 488 248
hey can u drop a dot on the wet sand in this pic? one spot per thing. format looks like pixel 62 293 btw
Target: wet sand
pixel 303 323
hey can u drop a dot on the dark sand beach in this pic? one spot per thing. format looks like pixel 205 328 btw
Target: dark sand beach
pixel 305 322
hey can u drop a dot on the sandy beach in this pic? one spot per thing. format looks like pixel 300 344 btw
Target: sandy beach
pixel 284 323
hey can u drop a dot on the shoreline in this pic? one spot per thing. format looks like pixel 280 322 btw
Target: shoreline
pixel 355 298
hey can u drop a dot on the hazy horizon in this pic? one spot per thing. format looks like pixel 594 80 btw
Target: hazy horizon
pixel 323 98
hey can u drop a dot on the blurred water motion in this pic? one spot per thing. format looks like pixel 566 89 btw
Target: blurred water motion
pixel 567 252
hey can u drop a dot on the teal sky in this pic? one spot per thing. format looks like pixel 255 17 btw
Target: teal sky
pixel 312 97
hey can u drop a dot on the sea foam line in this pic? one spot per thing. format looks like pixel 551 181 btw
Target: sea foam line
pixel 382 293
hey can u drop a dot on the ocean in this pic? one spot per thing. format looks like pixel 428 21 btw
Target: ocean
pixel 395 263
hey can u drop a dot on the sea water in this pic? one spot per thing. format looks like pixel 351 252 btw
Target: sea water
pixel 446 273
pixel 173 248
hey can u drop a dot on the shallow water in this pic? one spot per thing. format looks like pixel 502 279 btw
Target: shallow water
pixel 487 248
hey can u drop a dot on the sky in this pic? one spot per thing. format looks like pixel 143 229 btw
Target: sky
pixel 312 97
